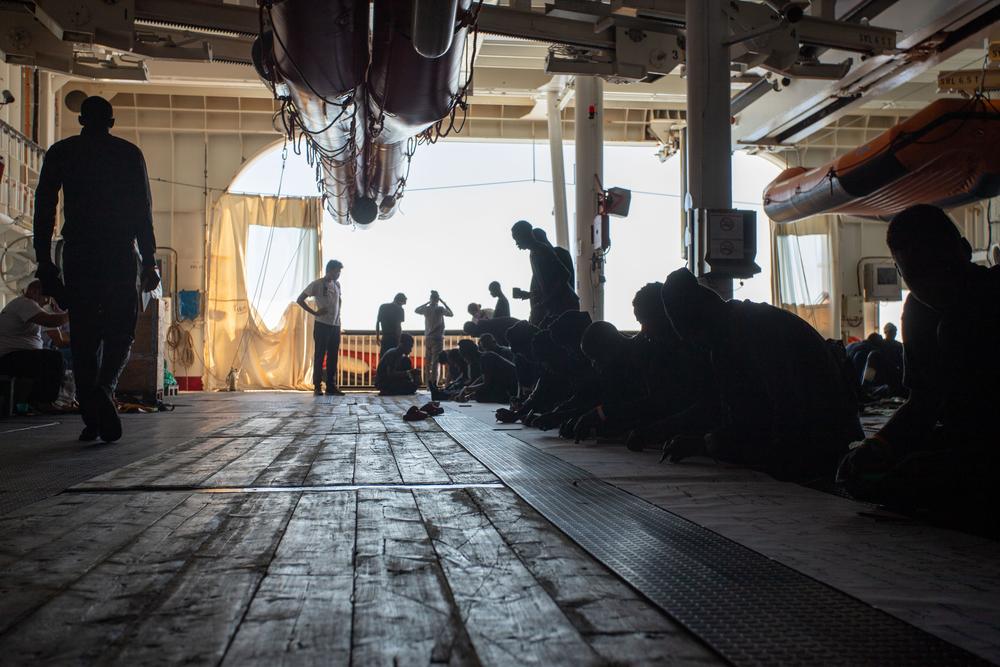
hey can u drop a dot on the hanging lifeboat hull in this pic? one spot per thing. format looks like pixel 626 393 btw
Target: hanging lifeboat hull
pixel 407 93
pixel 944 155
pixel 320 52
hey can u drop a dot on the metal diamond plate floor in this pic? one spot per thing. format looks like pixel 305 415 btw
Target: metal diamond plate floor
pixel 752 610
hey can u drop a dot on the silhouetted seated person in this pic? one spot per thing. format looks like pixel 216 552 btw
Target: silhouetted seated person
pixel 488 343
pixel 477 312
pixel 939 451
pixel 502 307
pixel 395 375
pixel 784 406
pixel 670 377
pixel 528 370
pixel 22 350
pixel 497 383
pixel 610 353
pixel 551 292
pixel 564 390
pixel 893 348
pixel 457 377
pixel 495 326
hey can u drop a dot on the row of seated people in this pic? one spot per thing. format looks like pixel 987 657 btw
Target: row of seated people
pixel 755 385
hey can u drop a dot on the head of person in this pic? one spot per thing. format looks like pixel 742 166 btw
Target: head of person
pixel 874 339
pixel 519 336
pixel 399 299
pixel 454 356
pixel 333 269
pixel 647 305
pixel 603 344
pixel 931 255
pixel 696 312
pixel 488 342
pixel 568 328
pixel 405 343
pixel 890 331
pixel 34 292
pixel 435 297
pixel 522 234
pixel 495 289
pixel 471 329
pixel 442 357
pixel 97 114
pixel 468 349
pixel 540 236
pixel 474 308
pixel 549 353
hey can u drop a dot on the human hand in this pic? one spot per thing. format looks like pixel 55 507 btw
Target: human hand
pixel 519 293
pixel 150 278
pixel 320 311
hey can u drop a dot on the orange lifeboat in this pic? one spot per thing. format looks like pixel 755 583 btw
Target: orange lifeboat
pixel 948 154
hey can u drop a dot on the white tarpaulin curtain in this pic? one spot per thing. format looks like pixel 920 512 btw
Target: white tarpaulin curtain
pixel 804 273
pixel 237 336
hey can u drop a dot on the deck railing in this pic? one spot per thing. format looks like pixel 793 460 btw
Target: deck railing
pixel 22 159
pixel 359 356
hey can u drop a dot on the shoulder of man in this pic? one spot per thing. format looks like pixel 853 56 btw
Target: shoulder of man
pixel 24 308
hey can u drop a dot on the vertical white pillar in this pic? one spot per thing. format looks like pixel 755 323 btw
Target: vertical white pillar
pixel 708 122
pixel 46 111
pixel 589 114
pixel 558 168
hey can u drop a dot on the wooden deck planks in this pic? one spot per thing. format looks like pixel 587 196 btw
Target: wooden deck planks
pixel 205 604
pixel 301 614
pixel 461 466
pixel 621 626
pixel 93 614
pixel 334 462
pixel 47 568
pixel 415 462
pixel 402 612
pixel 508 615
pixel 375 463
pixel 373 576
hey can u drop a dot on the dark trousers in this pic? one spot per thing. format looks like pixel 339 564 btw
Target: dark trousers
pixel 45 368
pixel 326 339
pixel 101 283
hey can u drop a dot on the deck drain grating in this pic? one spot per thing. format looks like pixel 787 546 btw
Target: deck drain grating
pixel 749 608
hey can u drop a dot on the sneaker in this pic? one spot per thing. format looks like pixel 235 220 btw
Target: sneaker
pixel 432 409
pixel 318 391
pixel 414 414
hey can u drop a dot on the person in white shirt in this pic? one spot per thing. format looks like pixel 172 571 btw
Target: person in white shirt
pixel 22 353
pixel 479 313
pixel 325 294
pixel 434 312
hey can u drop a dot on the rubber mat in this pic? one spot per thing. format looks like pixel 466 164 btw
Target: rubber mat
pixel 750 609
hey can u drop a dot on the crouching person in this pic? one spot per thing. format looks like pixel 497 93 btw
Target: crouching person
pixel 939 452
pixel 395 375
pixel 782 403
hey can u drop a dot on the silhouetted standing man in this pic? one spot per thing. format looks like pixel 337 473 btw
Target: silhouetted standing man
pixel 389 324
pixel 325 293
pixel 107 209
pixel 551 293
pixel 502 308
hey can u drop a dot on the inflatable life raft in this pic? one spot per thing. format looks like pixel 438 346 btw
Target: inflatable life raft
pixel 362 91
pixel 948 155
